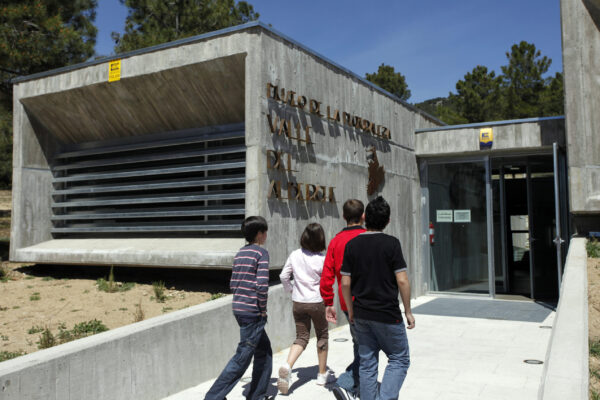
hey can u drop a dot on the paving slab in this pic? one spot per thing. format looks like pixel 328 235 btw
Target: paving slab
pixel 451 358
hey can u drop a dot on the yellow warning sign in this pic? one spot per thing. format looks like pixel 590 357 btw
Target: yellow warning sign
pixel 114 70
pixel 486 138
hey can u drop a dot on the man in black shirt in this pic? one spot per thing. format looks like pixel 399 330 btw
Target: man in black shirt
pixel 373 271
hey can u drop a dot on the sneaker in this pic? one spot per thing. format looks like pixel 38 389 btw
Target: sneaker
pixel 285 377
pixel 324 379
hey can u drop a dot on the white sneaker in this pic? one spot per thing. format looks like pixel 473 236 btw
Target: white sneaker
pixel 285 378
pixel 324 379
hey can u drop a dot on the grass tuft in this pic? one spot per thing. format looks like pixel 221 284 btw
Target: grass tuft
pixel 215 296
pixel 35 329
pixel 593 248
pixel 138 315
pixel 595 348
pixel 111 286
pixel 7 355
pixel 35 297
pixel 159 291
pixel 46 340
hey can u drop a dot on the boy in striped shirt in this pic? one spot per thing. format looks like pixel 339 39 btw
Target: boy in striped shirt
pixel 249 285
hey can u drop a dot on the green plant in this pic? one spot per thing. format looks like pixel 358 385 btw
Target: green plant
pixel 167 309
pixel 110 286
pixel 138 315
pixel 159 291
pixel 35 329
pixel 215 296
pixel 35 297
pixel 595 348
pixel 594 395
pixel 3 273
pixel 29 277
pixel 46 340
pixel 29 287
pixel 4 338
pixel 7 355
pixel 47 278
pixel 593 248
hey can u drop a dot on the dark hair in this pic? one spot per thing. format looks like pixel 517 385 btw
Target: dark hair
pixel 353 211
pixel 313 238
pixel 252 225
pixel 377 214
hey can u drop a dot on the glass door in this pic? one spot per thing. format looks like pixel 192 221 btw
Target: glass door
pixel 458 196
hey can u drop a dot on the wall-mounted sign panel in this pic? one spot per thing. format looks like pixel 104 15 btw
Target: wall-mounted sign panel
pixel 486 138
pixel 443 216
pixel 114 70
pixel 463 216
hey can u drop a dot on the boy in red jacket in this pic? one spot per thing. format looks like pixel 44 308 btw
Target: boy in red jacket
pixel 353 212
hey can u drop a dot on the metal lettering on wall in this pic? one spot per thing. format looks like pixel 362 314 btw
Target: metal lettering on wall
pixel 376 172
pixel 291 98
pixel 292 130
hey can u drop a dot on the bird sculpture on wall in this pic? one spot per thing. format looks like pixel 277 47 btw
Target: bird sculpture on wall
pixel 376 172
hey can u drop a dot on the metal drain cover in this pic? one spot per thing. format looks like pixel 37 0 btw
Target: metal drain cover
pixel 536 362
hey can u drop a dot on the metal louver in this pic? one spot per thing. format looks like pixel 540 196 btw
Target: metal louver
pixel 188 183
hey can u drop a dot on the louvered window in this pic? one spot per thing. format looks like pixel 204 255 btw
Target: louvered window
pixel 187 183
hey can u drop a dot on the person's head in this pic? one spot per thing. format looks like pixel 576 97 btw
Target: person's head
pixel 255 229
pixel 377 214
pixel 353 211
pixel 313 238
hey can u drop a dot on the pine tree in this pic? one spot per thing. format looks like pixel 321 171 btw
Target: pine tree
pixel 394 82
pixel 152 22
pixel 523 82
pixel 478 96
pixel 35 36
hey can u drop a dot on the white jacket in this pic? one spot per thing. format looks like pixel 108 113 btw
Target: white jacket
pixel 306 268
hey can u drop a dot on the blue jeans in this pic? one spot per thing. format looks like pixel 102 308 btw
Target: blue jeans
pixel 349 379
pixel 253 342
pixel 374 336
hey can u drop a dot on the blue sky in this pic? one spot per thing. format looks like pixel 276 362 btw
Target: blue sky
pixel 434 43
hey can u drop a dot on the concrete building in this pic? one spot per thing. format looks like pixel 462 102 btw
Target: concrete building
pixel 581 64
pixel 154 159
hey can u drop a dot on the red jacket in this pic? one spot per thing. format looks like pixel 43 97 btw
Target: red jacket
pixel 333 264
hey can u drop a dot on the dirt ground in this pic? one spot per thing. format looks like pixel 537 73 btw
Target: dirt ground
pixel 44 296
pixel 594 320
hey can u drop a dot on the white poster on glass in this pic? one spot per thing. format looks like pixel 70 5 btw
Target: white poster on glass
pixel 443 215
pixel 462 216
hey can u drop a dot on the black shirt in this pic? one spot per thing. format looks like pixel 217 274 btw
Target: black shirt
pixel 372 260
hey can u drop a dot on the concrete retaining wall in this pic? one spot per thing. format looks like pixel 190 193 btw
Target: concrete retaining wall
pixel 148 360
pixel 566 374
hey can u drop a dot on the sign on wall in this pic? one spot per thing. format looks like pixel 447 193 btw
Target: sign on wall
pixel 463 216
pixel 486 138
pixel 444 216
pixel 114 70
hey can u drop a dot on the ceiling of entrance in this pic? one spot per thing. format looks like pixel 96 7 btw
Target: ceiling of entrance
pixel 197 95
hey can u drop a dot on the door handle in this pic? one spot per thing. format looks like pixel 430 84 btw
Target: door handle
pixel 558 241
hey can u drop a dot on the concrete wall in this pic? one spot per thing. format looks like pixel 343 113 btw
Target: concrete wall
pixel 566 370
pixel 581 64
pixel 337 158
pixel 84 97
pixel 147 360
pixel 528 135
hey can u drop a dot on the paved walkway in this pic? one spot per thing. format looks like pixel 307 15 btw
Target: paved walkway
pixel 451 358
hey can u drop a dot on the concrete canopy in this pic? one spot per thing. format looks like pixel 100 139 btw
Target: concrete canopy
pixel 201 94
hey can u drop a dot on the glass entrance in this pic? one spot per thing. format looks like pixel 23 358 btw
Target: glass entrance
pixel 457 210
pixel 496 225
pixel 525 227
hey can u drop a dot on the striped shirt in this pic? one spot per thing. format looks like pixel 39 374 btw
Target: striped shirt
pixel 250 281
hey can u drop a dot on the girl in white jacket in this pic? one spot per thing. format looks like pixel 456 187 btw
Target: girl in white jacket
pixel 306 265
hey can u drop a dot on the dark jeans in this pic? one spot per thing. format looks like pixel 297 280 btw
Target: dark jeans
pixel 349 380
pixel 254 342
